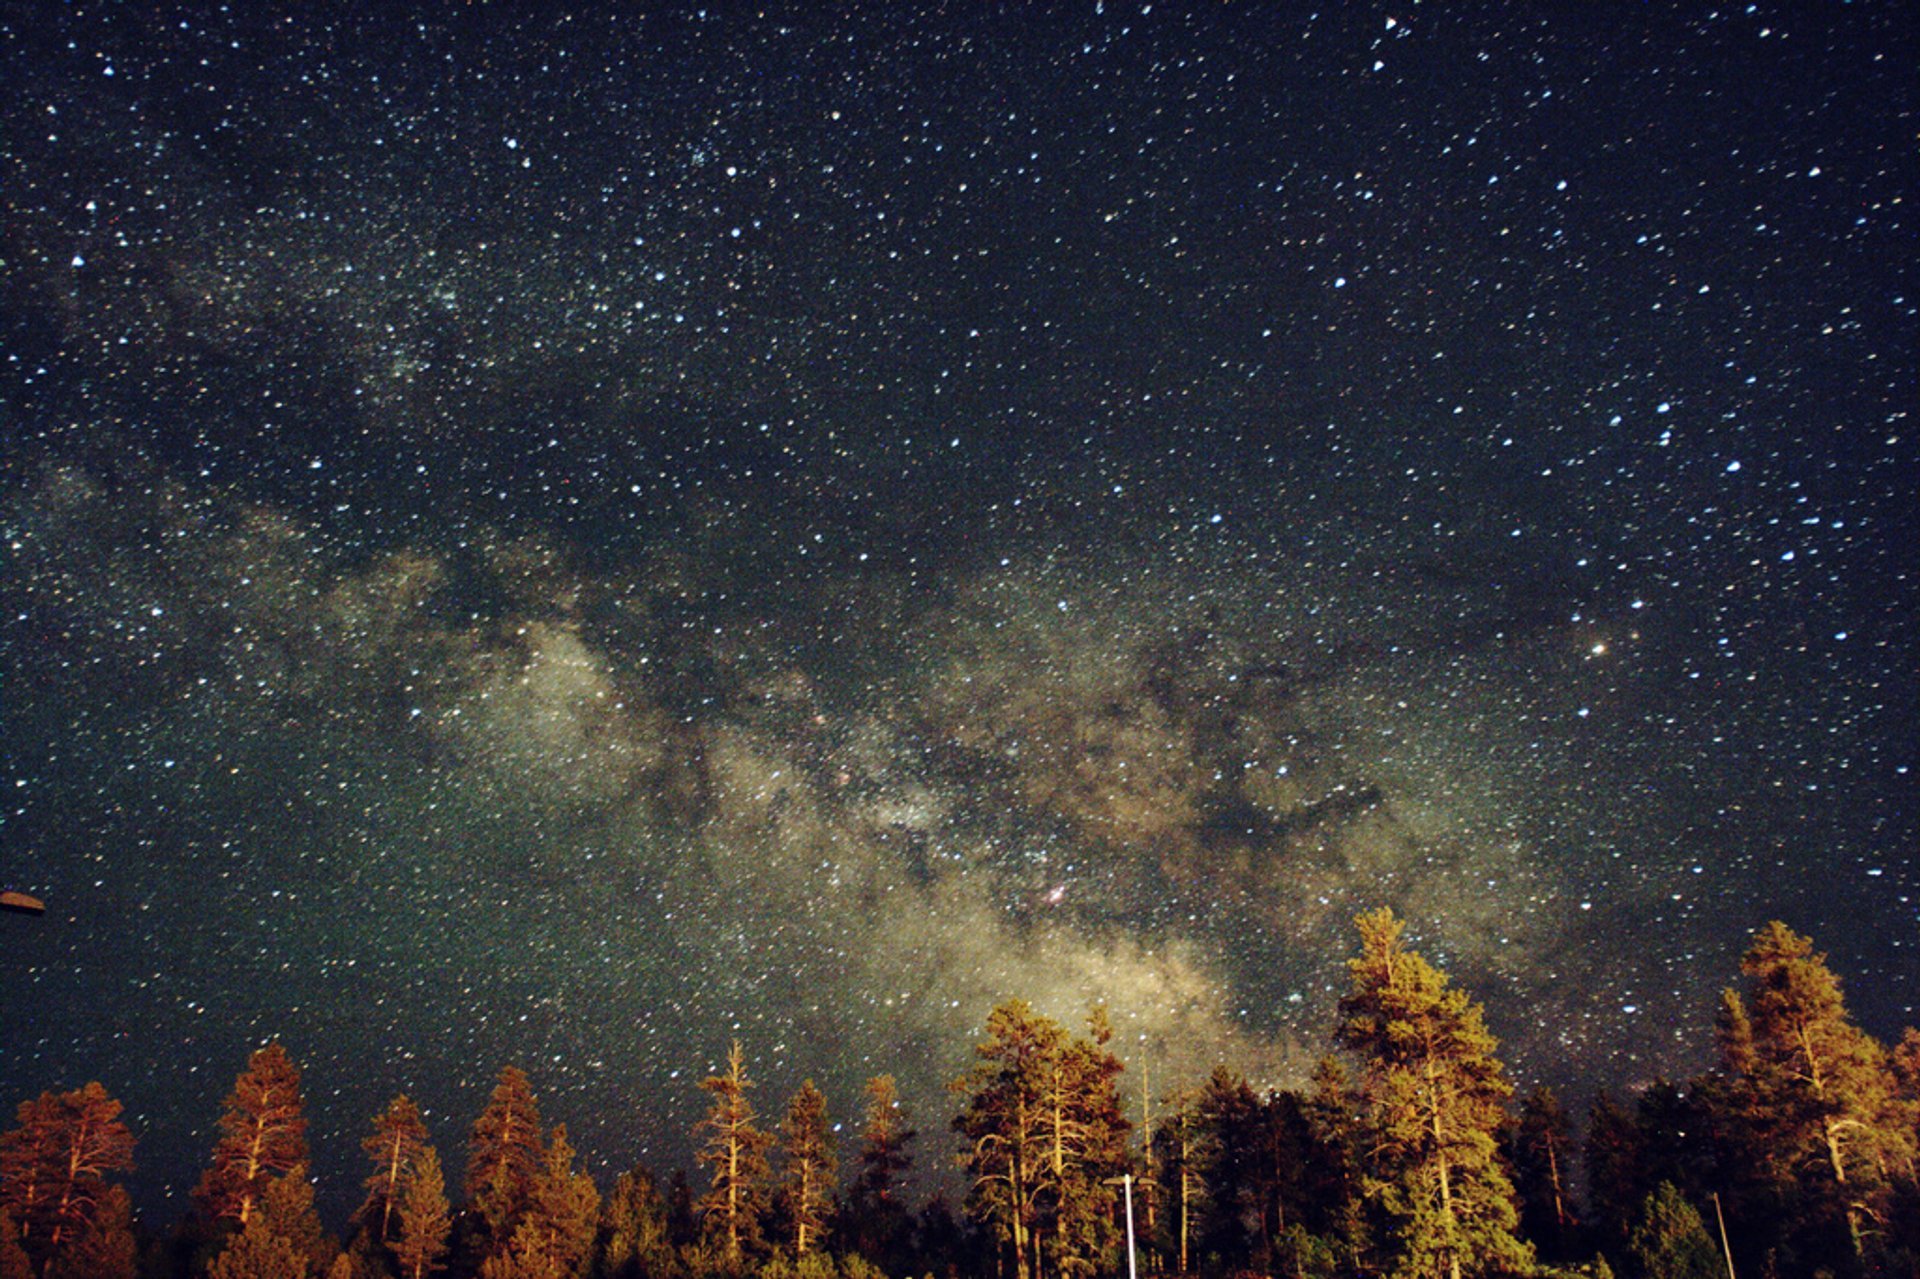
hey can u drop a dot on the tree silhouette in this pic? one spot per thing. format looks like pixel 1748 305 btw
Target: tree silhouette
pixel 1539 1145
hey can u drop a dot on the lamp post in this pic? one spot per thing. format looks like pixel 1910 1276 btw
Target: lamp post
pixel 1125 1180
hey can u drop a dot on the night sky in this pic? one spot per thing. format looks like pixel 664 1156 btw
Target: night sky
pixel 567 541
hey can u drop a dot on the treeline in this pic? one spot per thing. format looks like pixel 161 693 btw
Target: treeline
pixel 1406 1156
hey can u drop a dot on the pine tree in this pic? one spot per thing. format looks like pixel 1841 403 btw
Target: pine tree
pixel 567 1208
pixel 1669 1239
pixel 422 1212
pixel 736 1150
pixel 633 1224
pixel 1434 1092
pixel 54 1167
pixel 1179 1158
pixel 1002 1123
pixel 1335 1121
pixel 1044 1129
pixel 263 1137
pixel 554 1238
pixel 1612 1160
pixel 14 1262
pixel 287 1206
pixel 505 1155
pixel 807 1143
pixel 1225 1145
pixel 258 1253
pixel 1086 1133
pixel 397 1138
pixel 107 1249
pixel 876 1221
pixel 1812 1094
pixel 1540 1148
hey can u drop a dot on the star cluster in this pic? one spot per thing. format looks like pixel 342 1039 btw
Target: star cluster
pixel 567 539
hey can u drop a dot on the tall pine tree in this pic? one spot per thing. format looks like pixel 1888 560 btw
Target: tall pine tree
pixel 735 1149
pixel 875 1222
pixel 398 1136
pixel 263 1137
pixel 806 1142
pixel 633 1228
pixel 1043 1131
pixel 54 1167
pixel 1539 1147
pixel 505 1156
pixel 422 1222
pixel 1813 1099
pixel 1434 1093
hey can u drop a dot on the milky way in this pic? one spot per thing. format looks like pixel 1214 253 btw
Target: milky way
pixel 566 542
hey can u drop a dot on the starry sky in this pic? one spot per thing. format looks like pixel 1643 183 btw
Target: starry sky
pixel 567 540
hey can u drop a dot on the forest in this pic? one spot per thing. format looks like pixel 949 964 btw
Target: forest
pixel 1408 1155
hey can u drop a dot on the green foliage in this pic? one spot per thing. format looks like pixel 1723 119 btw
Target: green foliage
pixel 1043 1133
pixel 1670 1241
pixel 633 1229
pixel 258 1253
pixel 1812 1108
pixel 1434 1093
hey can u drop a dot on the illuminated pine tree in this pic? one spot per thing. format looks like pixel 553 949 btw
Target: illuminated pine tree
pixel 263 1137
pixel 287 1207
pixel 1044 1132
pixel 1086 1133
pixel 505 1156
pixel 1813 1096
pixel 398 1136
pixel 256 1252
pixel 736 1150
pixel 633 1222
pixel 876 1222
pixel 54 1167
pixel 107 1249
pixel 421 1217
pixel 1434 1093
pixel 1669 1239
pixel 806 1142
pixel 1003 1123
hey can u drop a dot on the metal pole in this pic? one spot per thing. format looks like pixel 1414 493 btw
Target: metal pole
pixel 1132 1273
